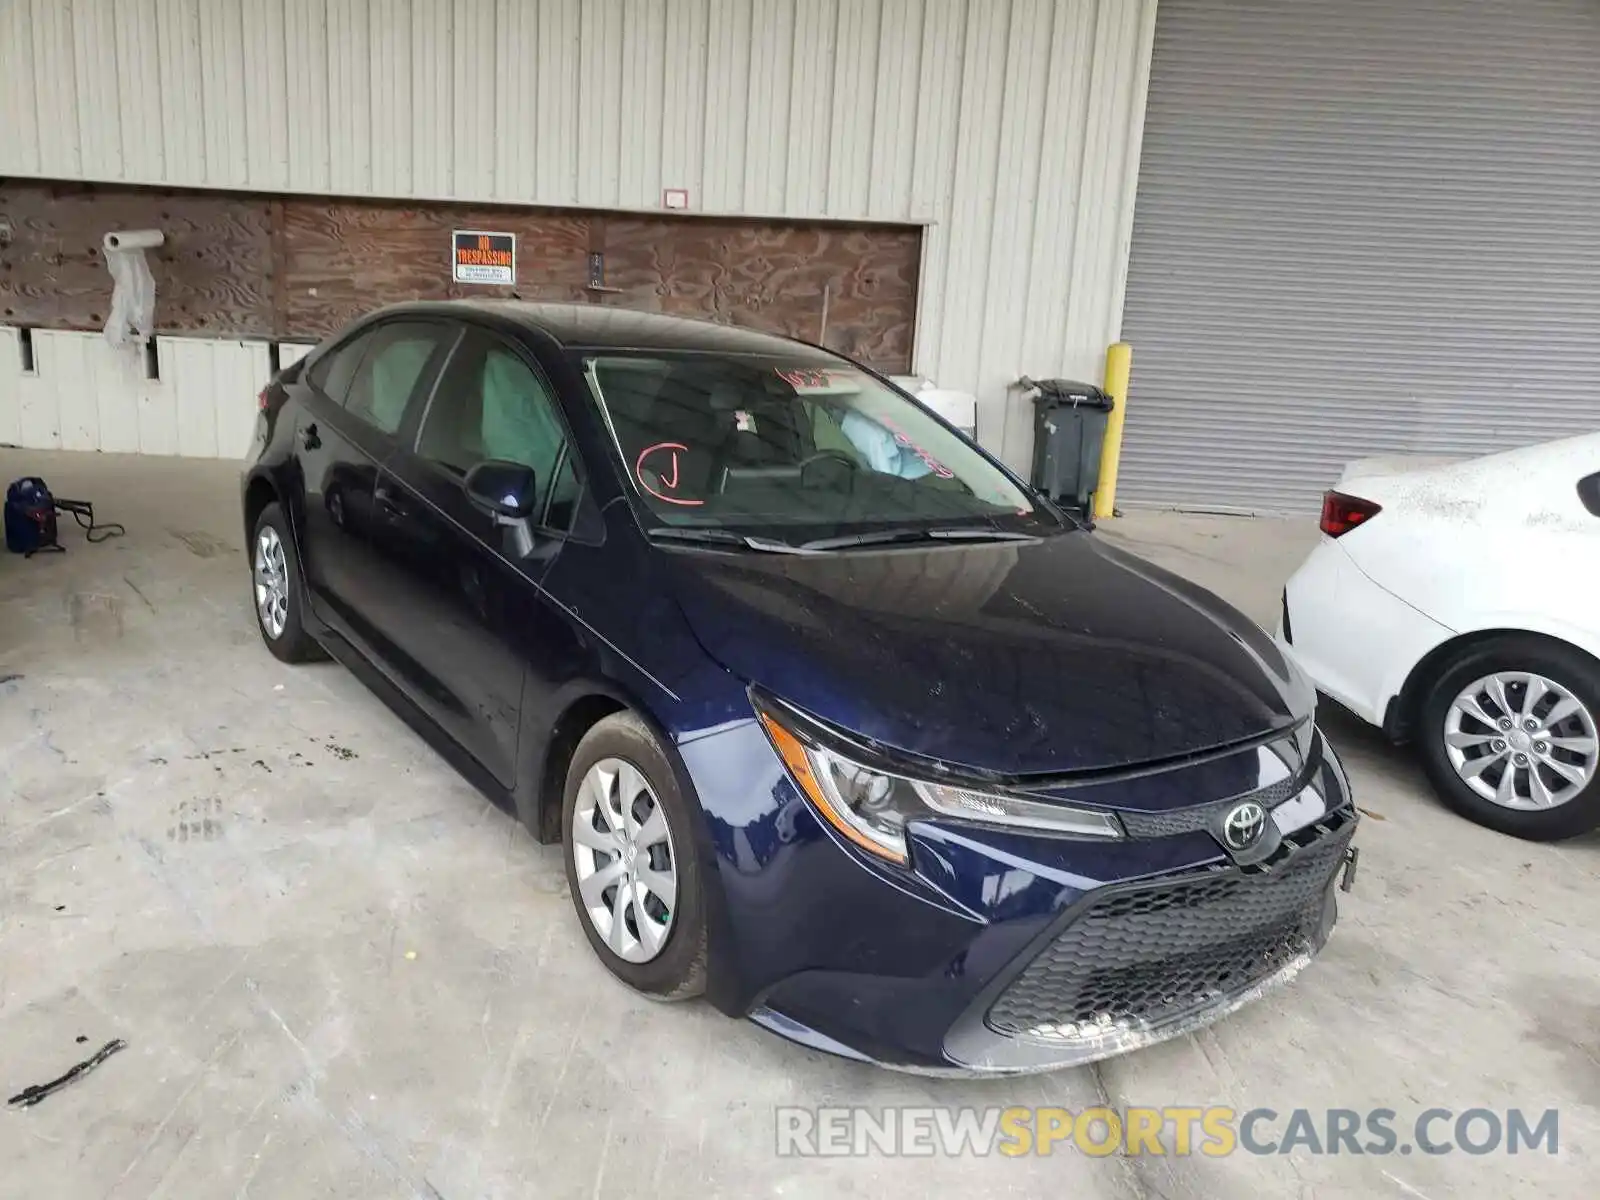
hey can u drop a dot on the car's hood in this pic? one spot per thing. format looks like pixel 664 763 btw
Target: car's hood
pixel 1048 657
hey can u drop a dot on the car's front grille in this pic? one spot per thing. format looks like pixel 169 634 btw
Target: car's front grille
pixel 1145 956
pixel 1171 821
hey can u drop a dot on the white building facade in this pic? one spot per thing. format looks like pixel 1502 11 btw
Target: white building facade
pixel 1006 131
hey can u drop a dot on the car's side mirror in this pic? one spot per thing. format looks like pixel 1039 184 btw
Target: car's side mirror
pixel 507 491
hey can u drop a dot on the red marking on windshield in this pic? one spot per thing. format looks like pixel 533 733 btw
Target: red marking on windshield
pixel 803 378
pixel 933 464
pixel 669 484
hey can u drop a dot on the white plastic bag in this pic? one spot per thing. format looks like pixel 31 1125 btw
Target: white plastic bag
pixel 133 288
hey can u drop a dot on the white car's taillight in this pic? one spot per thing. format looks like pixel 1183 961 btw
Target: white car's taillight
pixel 1342 513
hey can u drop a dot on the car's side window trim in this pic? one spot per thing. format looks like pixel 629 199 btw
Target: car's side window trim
pixel 452 334
pixel 348 342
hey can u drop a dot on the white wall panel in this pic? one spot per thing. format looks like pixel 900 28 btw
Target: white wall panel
pixel 432 98
pixel 683 127
pixel 94 57
pixel 305 27
pixel 221 98
pixel 11 384
pixel 350 98
pixel 55 77
pixel 84 395
pixel 1009 127
pixel 183 98
pixel 766 160
pixel 728 130
pixel 644 38
pixel 557 78
pixel 19 131
pixel 266 95
pixel 138 83
pixel 391 97
pixel 809 122
pixel 852 90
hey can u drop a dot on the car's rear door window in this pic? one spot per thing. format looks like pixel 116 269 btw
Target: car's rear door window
pixel 332 372
pixel 396 356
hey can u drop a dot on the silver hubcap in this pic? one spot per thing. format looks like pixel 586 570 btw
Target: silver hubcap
pixel 627 870
pixel 272 583
pixel 1521 740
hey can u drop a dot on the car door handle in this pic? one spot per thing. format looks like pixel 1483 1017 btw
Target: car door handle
pixel 309 438
pixel 390 503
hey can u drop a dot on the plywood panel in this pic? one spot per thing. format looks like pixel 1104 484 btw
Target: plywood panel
pixel 774 276
pixel 347 258
pixel 213 273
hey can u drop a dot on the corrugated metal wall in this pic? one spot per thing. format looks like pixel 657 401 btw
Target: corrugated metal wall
pixel 1011 127
pixel 83 395
pixel 1364 229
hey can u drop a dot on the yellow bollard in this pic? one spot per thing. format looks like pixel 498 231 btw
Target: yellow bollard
pixel 1119 364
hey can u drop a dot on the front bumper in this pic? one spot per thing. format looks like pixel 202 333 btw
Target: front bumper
pixel 1002 954
pixel 1131 965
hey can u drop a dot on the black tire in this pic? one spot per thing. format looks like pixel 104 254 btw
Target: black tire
pixel 678 971
pixel 294 644
pixel 1573 671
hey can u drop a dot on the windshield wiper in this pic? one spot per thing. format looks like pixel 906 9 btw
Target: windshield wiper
pixel 879 537
pixel 722 537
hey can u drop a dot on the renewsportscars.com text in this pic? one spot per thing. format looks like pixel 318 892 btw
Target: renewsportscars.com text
pixel 1214 1131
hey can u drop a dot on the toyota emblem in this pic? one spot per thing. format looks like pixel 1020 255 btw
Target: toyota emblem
pixel 1243 825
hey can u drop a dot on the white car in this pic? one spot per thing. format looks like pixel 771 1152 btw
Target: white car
pixel 1456 605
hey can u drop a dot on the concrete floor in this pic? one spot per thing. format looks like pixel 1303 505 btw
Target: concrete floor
pixel 340 972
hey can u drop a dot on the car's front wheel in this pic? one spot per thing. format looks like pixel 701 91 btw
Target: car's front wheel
pixel 1508 738
pixel 633 865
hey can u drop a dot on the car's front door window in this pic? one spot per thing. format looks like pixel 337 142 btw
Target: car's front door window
pixel 492 405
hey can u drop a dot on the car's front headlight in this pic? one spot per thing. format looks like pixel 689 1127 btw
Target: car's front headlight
pixel 872 807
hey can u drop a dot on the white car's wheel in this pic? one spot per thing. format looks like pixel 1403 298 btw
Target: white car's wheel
pixel 1510 739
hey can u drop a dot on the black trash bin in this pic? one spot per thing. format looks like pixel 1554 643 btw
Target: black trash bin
pixel 1069 428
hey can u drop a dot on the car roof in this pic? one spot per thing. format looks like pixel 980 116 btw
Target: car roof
pixel 606 327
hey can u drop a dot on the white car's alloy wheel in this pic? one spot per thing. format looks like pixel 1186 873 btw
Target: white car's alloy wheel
pixel 1521 740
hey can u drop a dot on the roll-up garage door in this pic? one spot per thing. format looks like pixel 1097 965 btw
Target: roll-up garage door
pixel 1363 228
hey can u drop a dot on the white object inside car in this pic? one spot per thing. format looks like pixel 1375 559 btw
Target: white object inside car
pixel 958 408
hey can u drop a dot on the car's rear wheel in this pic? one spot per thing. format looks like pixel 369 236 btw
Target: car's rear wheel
pixel 1509 737
pixel 633 864
pixel 276 589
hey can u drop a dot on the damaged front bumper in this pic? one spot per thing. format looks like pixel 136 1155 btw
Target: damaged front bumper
pixel 1132 944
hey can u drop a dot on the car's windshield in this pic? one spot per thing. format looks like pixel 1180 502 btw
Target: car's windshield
pixel 765 446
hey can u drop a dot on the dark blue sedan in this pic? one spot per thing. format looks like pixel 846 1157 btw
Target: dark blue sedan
pixel 838 723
